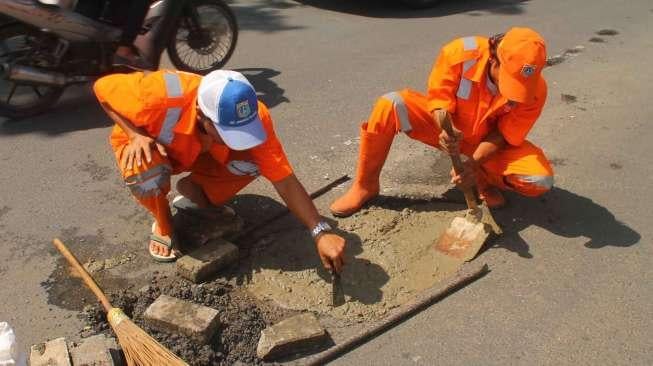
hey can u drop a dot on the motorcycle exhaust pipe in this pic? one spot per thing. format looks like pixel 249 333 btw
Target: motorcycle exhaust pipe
pixel 32 75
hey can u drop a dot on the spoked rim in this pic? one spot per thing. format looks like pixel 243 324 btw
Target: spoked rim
pixel 214 44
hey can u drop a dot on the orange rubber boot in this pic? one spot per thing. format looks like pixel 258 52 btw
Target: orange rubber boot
pixel 490 194
pixel 374 150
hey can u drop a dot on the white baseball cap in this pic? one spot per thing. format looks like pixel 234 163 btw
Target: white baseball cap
pixel 229 100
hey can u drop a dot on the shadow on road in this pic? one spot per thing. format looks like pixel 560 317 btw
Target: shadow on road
pixel 77 111
pixel 395 9
pixel 267 90
pixel 563 213
pixel 286 245
pixel 263 16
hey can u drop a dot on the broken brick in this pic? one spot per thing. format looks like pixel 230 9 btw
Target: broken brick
pixel 178 316
pixel 97 350
pixel 52 353
pixel 207 260
pixel 293 335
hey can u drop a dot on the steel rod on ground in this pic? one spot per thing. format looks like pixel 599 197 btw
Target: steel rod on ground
pixel 468 273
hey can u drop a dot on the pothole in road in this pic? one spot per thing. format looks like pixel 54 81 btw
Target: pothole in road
pixel 390 257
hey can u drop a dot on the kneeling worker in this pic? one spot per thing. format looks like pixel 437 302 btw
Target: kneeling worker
pixel 169 122
pixel 494 92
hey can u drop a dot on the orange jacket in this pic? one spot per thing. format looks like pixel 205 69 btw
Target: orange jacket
pixel 459 83
pixel 164 105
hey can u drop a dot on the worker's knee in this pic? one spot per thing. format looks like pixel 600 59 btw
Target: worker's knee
pixel 389 115
pixel 530 185
pixel 150 182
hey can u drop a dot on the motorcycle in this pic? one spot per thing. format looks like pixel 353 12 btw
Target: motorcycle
pixel 47 45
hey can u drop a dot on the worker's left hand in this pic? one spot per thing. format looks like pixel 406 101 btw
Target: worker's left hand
pixel 331 248
pixel 466 178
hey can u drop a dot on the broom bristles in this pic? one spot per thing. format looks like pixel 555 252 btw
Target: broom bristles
pixel 140 348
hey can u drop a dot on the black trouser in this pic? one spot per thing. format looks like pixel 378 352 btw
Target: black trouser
pixel 129 14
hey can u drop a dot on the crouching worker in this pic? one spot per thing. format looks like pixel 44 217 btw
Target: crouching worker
pixel 494 92
pixel 170 122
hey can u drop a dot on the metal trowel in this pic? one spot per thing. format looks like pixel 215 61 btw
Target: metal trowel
pixel 337 293
pixel 465 235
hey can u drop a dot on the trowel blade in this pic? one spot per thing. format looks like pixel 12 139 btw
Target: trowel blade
pixel 338 295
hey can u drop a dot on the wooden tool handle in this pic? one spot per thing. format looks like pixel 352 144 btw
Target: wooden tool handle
pixel 88 280
pixel 445 122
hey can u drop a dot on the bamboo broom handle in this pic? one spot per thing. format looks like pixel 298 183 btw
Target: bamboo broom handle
pixel 88 280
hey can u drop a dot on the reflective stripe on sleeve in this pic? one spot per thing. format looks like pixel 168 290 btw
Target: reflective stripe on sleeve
pixel 465 85
pixel 469 43
pixel 173 85
pixel 400 108
pixel 173 90
pixel 169 122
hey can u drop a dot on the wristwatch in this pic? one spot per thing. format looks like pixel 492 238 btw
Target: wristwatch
pixel 321 227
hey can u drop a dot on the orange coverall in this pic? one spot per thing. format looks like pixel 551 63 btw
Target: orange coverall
pixel 163 104
pixel 460 84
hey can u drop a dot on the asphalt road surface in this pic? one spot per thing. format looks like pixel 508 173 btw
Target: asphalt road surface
pixel 571 278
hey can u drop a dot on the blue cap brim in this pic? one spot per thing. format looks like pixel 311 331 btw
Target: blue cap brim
pixel 243 137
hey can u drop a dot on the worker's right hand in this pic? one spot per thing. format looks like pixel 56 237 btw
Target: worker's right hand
pixel 331 248
pixel 139 146
pixel 450 144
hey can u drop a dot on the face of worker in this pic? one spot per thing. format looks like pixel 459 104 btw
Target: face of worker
pixel 209 127
pixel 494 70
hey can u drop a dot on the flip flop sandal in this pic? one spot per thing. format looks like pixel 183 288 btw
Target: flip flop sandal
pixel 167 243
pixel 182 203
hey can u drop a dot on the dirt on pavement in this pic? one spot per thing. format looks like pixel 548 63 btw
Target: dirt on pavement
pixel 390 257
pixel 241 319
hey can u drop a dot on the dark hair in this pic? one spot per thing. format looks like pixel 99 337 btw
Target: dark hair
pixel 494 43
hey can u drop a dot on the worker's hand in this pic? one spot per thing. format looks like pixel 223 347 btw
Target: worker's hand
pixel 139 146
pixel 450 144
pixel 331 248
pixel 466 178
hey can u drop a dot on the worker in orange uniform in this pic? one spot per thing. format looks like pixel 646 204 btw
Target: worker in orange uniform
pixel 169 122
pixel 494 92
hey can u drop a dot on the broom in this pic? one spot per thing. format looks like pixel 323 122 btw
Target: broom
pixel 140 349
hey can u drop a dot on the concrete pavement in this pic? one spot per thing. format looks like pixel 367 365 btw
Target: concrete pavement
pixel 570 280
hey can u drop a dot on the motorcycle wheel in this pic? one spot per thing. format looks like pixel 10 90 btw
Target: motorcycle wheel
pixel 208 48
pixel 420 4
pixel 19 44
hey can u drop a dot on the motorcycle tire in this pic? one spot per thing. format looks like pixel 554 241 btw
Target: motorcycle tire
pixel 213 37
pixel 45 96
pixel 420 4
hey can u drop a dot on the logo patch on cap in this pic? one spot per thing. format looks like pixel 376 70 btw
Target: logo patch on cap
pixel 243 110
pixel 528 70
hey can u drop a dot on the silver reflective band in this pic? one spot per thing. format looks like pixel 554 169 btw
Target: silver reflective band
pixel 469 43
pixel 321 227
pixel 465 85
pixel 402 112
pixel 173 85
pixel 169 122
pixel 542 181
pixel 150 182
pixel 243 168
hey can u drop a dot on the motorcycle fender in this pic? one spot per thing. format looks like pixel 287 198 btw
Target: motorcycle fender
pixel 160 23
